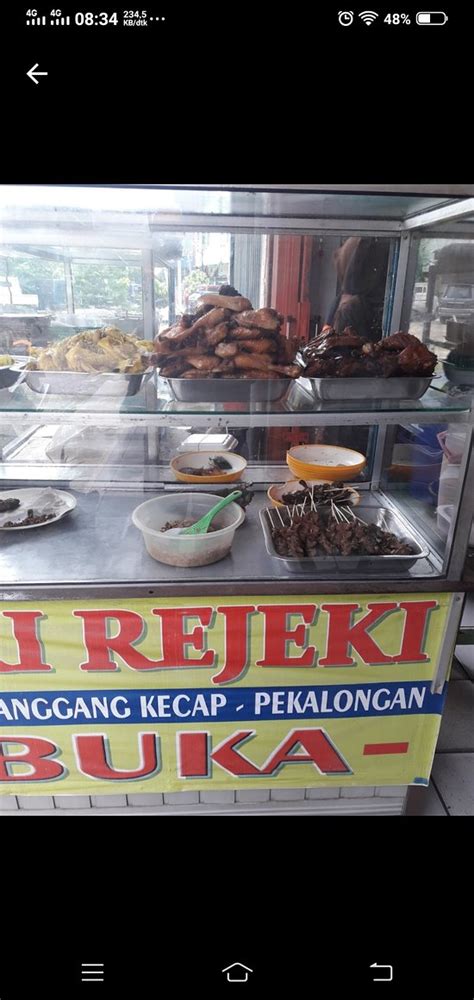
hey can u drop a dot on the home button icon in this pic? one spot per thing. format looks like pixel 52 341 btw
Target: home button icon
pixel 237 973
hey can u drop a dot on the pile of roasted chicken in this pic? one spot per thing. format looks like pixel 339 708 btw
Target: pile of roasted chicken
pixel 226 338
pixel 103 350
pixel 348 356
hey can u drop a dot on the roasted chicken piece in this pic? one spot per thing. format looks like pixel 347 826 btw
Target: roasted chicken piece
pixel 261 345
pixel 264 319
pixel 416 359
pixel 253 361
pixel 213 337
pixel 173 369
pixel 237 303
pixel 176 334
pixel 204 362
pixel 245 333
pixel 398 341
pixel 227 349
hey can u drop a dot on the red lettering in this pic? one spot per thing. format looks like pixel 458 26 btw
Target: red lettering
pixel 277 635
pixel 237 641
pixel 37 754
pixel 94 759
pixel 230 759
pixel 175 638
pixel 414 632
pixel 100 646
pixel 25 633
pixel 193 755
pixel 317 749
pixel 342 634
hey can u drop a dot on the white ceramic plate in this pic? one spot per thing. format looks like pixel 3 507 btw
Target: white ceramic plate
pixel 28 497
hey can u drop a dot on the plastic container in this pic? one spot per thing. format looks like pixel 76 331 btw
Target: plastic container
pixel 324 461
pixel 186 550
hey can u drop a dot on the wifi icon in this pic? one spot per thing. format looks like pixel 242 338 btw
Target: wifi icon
pixel 368 16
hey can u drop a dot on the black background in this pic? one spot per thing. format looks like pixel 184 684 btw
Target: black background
pixel 309 903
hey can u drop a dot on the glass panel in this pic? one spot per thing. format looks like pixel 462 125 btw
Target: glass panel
pixel 443 306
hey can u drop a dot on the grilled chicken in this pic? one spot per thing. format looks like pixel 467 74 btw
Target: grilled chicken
pixel 228 349
pixel 264 319
pixel 262 345
pixel 237 303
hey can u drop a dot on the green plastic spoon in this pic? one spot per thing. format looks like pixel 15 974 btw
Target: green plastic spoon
pixel 201 526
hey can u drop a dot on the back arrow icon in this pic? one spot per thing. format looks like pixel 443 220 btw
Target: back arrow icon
pixel 383 979
pixel 34 72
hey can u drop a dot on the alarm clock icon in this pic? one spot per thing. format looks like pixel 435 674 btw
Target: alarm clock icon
pixel 345 17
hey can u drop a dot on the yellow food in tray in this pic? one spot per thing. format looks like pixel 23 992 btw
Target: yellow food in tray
pixel 104 350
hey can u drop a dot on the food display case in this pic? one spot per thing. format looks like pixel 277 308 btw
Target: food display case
pixel 295 657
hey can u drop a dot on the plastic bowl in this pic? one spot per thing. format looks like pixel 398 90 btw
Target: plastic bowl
pixel 324 461
pixel 186 550
pixel 198 459
pixel 275 492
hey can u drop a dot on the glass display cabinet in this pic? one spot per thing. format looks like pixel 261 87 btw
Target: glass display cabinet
pixel 287 669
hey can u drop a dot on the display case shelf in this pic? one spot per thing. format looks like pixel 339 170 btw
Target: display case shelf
pixel 149 407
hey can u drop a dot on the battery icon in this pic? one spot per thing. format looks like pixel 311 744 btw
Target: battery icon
pixel 431 17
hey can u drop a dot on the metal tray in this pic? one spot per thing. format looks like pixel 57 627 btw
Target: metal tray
pixel 379 564
pixel 365 388
pixel 228 390
pixel 84 383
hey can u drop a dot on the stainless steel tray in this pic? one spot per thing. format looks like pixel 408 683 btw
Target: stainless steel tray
pixel 365 388
pixel 84 383
pixel 381 516
pixel 228 390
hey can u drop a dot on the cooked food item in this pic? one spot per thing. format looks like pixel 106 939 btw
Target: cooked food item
pixel 185 524
pixel 347 356
pixel 216 343
pixel 247 333
pixel 321 533
pixel 31 518
pixel 263 345
pixel 216 466
pixel 10 503
pixel 265 319
pixel 228 349
pixel 212 338
pixel 237 303
pixel 252 361
pixel 205 363
pixel 104 350
pixel 319 494
pixel 5 360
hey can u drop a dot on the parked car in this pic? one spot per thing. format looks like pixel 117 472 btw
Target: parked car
pixel 457 302
pixel 419 300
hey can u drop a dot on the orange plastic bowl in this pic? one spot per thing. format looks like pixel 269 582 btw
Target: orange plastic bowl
pixel 199 459
pixel 324 461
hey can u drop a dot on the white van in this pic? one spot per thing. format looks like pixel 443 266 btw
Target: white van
pixel 419 299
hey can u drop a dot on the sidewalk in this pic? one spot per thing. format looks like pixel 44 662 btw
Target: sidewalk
pixel 451 790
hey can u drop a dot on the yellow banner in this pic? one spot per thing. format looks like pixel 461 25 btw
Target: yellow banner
pixel 165 695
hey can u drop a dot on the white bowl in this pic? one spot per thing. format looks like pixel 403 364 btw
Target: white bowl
pixel 186 550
